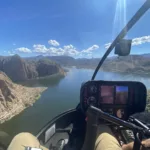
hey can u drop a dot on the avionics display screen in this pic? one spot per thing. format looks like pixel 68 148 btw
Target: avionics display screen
pixel 107 94
pixel 121 94
pixel 113 94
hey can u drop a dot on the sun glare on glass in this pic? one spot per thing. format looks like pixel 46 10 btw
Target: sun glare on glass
pixel 119 18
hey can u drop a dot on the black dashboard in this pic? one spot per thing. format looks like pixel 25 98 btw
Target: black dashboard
pixel 117 98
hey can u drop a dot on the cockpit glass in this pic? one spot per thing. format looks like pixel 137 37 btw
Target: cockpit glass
pixel 48 48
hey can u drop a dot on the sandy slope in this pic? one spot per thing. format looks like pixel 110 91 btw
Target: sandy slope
pixel 14 98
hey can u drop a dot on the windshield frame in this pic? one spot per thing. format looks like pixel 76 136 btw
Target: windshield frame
pixel 144 8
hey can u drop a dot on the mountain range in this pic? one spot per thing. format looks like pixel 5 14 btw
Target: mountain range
pixel 19 69
pixel 138 64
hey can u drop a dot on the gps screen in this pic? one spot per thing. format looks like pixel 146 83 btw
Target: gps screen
pixel 121 94
pixel 113 94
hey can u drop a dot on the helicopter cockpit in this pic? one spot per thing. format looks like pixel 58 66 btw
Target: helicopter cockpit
pixel 110 102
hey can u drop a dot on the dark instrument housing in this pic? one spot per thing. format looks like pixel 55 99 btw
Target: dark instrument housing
pixel 136 102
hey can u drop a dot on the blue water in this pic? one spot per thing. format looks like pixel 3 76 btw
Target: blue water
pixel 61 95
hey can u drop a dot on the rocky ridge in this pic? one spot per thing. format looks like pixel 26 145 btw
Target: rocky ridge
pixel 19 69
pixel 14 98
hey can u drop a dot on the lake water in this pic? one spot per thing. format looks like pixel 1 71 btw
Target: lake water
pixel 62 94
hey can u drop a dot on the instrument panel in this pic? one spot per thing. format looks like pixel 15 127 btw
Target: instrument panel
pixel 115 97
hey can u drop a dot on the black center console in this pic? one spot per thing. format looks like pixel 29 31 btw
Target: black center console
pixel 118 98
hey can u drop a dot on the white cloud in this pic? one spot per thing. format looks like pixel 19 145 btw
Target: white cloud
pixel 141 40
pixel 24 50
pixel 67 50
pixel 135 41
pixel 66 47
pixel 90 49
pixel 38 48
pixel 53 43
pixel 70 50
pixel 55 51
pixel 94 47
pixel 48 51
pixel 107 45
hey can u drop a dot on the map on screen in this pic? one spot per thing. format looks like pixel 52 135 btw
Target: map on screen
pixel 109 93
pixel 121 94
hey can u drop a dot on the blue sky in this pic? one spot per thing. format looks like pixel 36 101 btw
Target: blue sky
pixel 78 28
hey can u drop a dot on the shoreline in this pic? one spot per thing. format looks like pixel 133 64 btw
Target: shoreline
pixel 26 95
pixel 27 99
pixel 138 73
pixel 63 74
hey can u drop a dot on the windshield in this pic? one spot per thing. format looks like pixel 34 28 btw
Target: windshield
pixel 49 48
